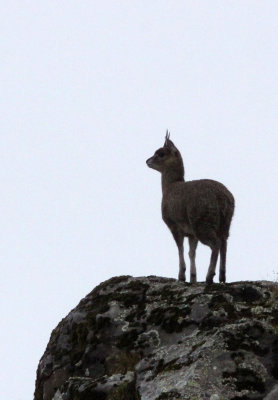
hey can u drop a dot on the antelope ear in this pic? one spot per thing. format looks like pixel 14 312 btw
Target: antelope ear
pixel 168 143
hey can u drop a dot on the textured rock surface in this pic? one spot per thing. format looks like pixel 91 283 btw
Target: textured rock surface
pixel 155 338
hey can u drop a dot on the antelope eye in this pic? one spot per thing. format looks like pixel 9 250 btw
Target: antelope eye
pixel 161 154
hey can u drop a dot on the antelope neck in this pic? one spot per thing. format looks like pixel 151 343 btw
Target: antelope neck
pixel 169 177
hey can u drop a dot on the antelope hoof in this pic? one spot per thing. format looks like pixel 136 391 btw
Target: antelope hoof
pixel 182 278
pixel 209 281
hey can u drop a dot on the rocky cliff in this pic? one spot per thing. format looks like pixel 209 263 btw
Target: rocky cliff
pixel 155 338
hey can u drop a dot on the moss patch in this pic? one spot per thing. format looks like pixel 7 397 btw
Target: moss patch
pixel 126 391
pixel 121 363
pixel 172 394
pixel 78 334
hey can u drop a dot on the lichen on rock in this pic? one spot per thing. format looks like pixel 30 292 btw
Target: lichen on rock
pixel 155 338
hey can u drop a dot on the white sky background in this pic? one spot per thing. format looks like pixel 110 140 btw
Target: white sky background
pixel 88 89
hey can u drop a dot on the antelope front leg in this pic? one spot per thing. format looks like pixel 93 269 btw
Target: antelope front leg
pixel 182 266
pixel 192 253
pixel 178 236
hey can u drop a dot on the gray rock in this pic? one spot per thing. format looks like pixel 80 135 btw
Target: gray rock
pixel 154 338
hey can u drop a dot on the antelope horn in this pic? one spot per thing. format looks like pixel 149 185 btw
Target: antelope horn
pixel 167 137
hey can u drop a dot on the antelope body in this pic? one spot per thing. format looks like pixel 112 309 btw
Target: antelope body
pixel 201 210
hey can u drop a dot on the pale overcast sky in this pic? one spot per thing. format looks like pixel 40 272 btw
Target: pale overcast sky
pixel 88 89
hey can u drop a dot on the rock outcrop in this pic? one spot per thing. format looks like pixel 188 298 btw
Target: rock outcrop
pixel 154 338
